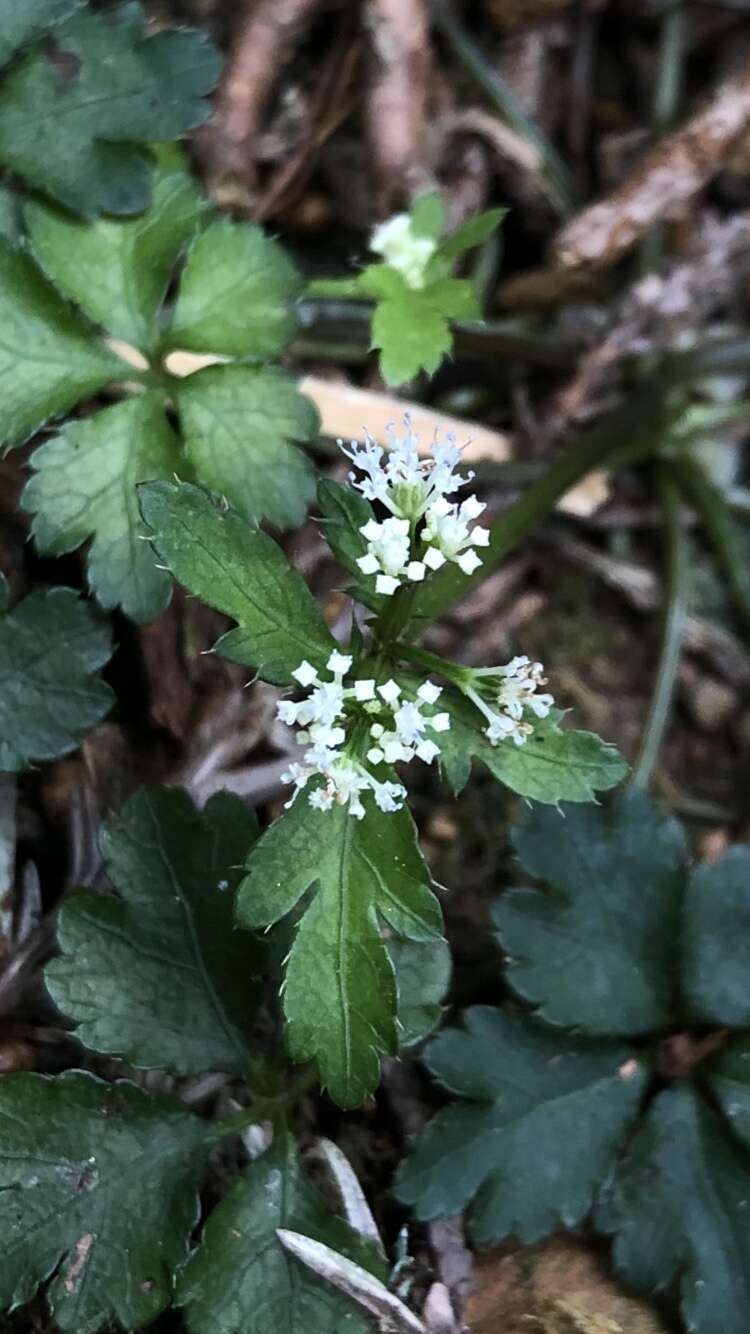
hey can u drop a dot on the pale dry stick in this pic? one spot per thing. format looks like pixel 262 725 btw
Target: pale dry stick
pixel 260 48
pixel 667 178
pixel 396 107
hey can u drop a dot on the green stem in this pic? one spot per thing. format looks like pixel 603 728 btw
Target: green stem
pixel 335 289
pixel 668 85
pixel 673 633
pixel 432 662
pixel 634 434
pixel 721 529
pixel 504 99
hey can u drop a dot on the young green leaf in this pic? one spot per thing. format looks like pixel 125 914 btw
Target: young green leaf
pixel 84 486
pixel 542 1122
pixel 237 422
pixel 474 232
pixel 159 975
pixel 598 950
pixel 21 24
pixel 48 358
pixel 554 764
pixel 117 271
pixel 339 992
pixel 412 334
pixel 240 1277
pixel 236 294
pixel 423 974
pixel 679 1207
pixel 98 1193
pixel 220 558
pixel 51 646
pixel 75 116
pixel 715 944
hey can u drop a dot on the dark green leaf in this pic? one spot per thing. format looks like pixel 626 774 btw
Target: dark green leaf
pixel 117 270
pixel 339 991
pixel 236 294
pixel 85 487
pixel 74 113
pixel 24 23
pixel 728 1076
pixel 241 1279
pixel 716 941
pixel 11 216
pixel 50 647
pixel 423 974
pixel 232 566
pixel 237 422
pixel 598 950
pixel 474 232
pixel 680 1210
pixel 98 1193
pixel 344 512
pixel 48 358
pixel 159 975
pixel 545 1119
pixel 554 764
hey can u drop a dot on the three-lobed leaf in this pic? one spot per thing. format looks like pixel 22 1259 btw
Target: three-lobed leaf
pixel 598 949
pixel 117 270
pixel 241 1278
pixel 237 422
pixel 77 114
pixel 541 1123
pixel 241 571
pixel 51 647
pixel 340 997
pixel 236 294
pixel 48 357
pixel 159 975
pixel 85 486
pixel 98 1194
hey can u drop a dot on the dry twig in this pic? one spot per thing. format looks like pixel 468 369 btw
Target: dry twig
pixel 397 103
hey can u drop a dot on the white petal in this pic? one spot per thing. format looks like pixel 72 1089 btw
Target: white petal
pixel 305 674
pixel 429 692
pixel 480 536
pixel 364 690
pixel 427 751
pixel 385 583
pixel 434 558
pixel 468 561
pixel 390 692
pixel 339 663
pixel 368 564
pixel 371 530
pixel 375 755
pixel 416 571
pixel 376 731
pixel 441 722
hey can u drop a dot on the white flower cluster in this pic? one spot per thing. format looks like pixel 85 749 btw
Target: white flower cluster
pixel 403 248
pixel 324 716
pixel 514 690
pixel 424 529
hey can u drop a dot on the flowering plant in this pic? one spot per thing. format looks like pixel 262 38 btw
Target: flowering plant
pixel 364 711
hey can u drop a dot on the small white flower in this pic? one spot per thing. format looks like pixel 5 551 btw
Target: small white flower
pixel 387 585
pixel 514 690
pixel 390 691
pixel 440 722
pixel 416 571
pixel 305 674
pixel 447 531
pixel 364 690
pixel 429 693
pixel 339 663
pixel 403 248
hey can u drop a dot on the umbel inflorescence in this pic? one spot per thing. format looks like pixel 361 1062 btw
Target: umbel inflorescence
pixel 354 730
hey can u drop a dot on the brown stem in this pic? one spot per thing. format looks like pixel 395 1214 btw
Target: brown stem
pixel 397 104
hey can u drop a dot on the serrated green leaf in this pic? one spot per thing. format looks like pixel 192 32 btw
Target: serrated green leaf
pixel 159 975
pixel 220 558
pixel 21 24
pixel 48 358
pixel 339 992
pixel 455 298
pixel 423 974
pixel 51 646
pixel 240 1277
pixel 237 423
pixel 474 232
pixel 412 335
pixel 554 764
pixel 715 941
pixel 84 486
pixel 546 1116
pixel 679 1207
pixel 236 294
pixel 598 950
pixel 74 113
pixel 98 1193
pixel 117 271
pixel 345 512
